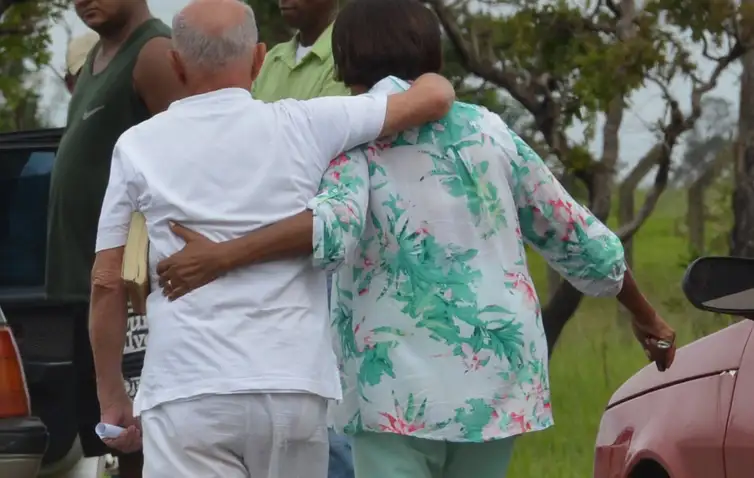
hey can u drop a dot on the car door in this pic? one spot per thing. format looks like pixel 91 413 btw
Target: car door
pixel 739 439
pixel 43 330
pixel 26 160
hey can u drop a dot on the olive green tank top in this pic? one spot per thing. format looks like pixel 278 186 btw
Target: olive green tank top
pixel 103 106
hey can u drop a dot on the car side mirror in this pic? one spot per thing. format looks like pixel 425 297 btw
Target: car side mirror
pixel 721 284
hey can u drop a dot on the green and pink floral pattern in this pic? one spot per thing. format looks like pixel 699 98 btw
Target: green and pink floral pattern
pixel 435 320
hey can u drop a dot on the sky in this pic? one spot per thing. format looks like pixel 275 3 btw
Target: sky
pixel 636 139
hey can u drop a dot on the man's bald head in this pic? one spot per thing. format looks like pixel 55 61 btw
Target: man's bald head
pixel 212 34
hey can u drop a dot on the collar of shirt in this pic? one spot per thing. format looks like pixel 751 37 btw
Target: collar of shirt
pixel 321 49
pixel 389 86
pixel 213 97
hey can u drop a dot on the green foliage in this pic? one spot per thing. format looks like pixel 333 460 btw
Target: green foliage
pixel 24 31
pixel 24 41
pixel 587 55
pixel 272 28
pixel 556 40
pixel 23 111
pixel 713 17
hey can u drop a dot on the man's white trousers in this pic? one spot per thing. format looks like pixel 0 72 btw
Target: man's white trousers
pixel 260 435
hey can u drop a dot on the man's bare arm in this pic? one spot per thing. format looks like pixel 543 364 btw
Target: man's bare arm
pixel 154 79
pixel 107 323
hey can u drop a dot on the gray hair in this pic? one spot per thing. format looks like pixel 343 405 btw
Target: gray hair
pixel 211 51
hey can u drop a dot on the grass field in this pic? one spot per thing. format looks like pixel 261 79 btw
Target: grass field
pixel 595 354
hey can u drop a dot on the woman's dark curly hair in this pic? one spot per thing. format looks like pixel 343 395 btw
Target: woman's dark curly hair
pixel 372 39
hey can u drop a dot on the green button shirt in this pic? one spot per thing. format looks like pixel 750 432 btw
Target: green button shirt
pixel 314 76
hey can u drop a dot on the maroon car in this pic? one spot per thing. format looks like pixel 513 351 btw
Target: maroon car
pixel 696 420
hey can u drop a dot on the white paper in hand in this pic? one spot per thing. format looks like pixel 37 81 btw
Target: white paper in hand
pixel 105 430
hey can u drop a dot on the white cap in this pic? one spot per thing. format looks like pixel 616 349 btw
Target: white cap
pixel 78 50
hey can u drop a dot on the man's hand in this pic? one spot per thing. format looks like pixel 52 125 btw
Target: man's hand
pixel 194 266
pixel 657 339
pixel 119 411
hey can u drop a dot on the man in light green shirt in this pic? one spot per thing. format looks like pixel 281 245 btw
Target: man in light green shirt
pixel 303 67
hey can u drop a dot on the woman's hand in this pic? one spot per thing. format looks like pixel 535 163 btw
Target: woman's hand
pixel 657 339
pixel 196 265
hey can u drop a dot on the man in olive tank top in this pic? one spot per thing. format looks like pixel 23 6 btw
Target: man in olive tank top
pixel 125 80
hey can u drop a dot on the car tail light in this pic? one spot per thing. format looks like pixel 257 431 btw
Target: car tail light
pixel 14 397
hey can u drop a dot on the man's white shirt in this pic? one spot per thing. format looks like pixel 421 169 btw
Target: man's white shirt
pixel 224 164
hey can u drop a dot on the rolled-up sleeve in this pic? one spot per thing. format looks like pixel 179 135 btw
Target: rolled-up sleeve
pixel 119 203
pixel 574 242
pixel 339 209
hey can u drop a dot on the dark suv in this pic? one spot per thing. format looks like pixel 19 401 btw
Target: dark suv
pixel 43 329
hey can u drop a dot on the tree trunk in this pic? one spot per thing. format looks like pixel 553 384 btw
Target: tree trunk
pixel 553 282
pixel 696 214
pixel 559 309
pixel 695 217
pixel 742 235
pixel 626 198
pixel 626 212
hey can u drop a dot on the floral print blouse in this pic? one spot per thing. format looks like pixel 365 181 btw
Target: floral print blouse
pixel 435 320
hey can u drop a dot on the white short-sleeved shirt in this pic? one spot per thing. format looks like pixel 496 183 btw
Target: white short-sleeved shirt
pixel 224 164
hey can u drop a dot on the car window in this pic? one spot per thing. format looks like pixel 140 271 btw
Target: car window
pixel 24 190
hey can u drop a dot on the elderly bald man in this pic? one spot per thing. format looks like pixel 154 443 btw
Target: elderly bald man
pixel 237 375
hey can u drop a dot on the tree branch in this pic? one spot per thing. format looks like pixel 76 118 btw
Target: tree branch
pixel 659 155
pixel 679 123
pixel 16 30
pixel 701 88
pixel 476 65
pixel 601 203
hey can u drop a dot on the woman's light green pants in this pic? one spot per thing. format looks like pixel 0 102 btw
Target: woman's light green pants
pixel 387 455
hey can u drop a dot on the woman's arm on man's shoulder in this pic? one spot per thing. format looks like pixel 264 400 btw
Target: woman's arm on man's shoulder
pixel 329 230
